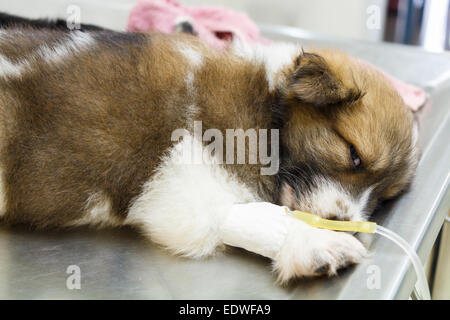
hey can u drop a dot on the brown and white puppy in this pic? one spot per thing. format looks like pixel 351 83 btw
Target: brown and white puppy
pixel 87 138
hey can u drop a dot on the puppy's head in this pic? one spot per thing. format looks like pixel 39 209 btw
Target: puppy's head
pixel 347 139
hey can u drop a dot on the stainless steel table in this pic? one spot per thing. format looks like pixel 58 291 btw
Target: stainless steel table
pixel 119 264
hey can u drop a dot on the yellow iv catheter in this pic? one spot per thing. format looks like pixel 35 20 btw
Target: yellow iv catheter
pixel 318 222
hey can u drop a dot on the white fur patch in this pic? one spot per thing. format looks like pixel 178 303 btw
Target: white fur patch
pixel 275 57
pixel 192 110
pixel 331 199
pixel 98 212
pixel 77 41
pixel 189 81
pixel 10 69
pixel 3 34
pixel 194 57
pixel 183 204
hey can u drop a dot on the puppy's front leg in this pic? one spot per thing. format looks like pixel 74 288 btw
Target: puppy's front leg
pixel 296 248
pixel 183 204
pixel 192 210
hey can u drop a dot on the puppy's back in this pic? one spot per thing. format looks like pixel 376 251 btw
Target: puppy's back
pixel 82 116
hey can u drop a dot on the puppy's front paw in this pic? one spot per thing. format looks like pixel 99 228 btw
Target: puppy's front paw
pixel 311 252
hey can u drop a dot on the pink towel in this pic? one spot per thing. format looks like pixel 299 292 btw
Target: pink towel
pixel 217 27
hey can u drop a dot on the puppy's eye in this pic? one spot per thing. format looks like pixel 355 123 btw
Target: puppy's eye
pixel 356 160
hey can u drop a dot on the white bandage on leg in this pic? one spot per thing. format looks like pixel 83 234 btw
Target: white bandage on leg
pixel 259 227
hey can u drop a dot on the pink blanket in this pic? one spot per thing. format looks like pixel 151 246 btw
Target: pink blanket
pixel 217 26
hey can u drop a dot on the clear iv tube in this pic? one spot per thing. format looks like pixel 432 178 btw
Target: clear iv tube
pixel 313 220
pixel 422 284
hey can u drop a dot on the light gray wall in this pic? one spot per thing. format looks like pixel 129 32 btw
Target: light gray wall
pixel 346 18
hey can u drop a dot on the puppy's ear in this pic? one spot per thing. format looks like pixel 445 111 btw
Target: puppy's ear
pixel 315 83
